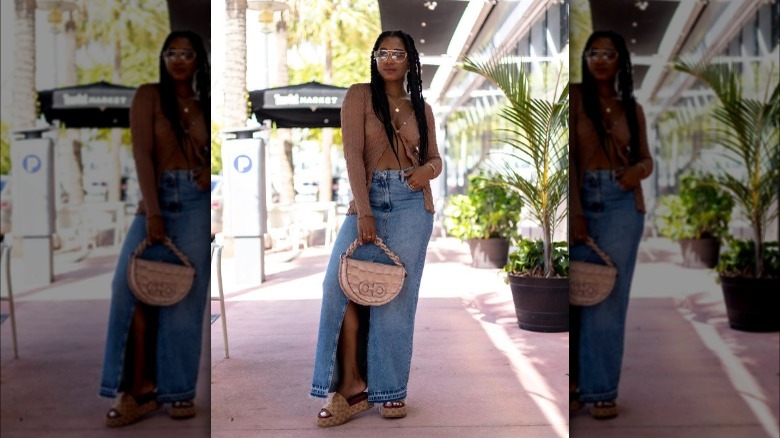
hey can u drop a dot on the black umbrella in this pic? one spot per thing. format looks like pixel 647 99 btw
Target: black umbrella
pixel 96 105
pixel 310 105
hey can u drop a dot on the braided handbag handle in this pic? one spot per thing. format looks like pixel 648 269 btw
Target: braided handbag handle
pixel 167 242
pixel 592 244
pixel 378 242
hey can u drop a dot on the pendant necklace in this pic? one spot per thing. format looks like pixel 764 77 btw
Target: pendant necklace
pixel 397 107
pixel 608 124
pixel 185 103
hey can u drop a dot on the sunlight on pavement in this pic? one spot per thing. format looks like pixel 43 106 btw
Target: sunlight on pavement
pixel 741 379
pixel 528 376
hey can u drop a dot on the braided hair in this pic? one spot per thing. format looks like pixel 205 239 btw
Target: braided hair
pixel 413 87
pixel 170 105
pixel 625 86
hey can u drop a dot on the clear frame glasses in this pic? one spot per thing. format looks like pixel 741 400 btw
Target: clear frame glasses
pixel 607 55
pixel 384 55
pixel 185 55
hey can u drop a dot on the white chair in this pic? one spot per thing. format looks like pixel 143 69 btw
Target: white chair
pixel 313 216
pixel 5 269
pixel 216 250
pixel 282 227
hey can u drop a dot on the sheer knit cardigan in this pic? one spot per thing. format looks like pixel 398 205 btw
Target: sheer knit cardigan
pixel 365 141
pixel 584 143
pixel 155 146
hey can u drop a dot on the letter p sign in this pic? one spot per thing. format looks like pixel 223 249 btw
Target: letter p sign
pixel 242 164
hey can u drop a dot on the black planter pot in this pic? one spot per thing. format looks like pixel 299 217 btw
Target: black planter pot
pixel 700 253
pixel 752 303
pixel 541 304
pixel 489 253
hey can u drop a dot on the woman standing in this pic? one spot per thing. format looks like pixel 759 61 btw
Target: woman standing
pixel 364 354
pixel 153 353
pixel 609 157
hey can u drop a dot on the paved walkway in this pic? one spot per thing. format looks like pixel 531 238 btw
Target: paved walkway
pixel 685 372
pixel 474 372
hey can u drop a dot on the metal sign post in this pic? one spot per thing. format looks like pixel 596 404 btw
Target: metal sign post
pixel 243 158
pixel 33 212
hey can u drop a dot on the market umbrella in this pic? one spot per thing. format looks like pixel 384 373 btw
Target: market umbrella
pixel 309 105
pixel 96 105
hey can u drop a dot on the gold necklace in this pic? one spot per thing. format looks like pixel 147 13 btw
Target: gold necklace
pixel 607 104
pixel 185 103
pixel 397 108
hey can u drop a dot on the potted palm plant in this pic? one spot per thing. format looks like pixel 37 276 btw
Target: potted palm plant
pixel 486 217
pixel 697 217
pixel 748 132
pixel 537 136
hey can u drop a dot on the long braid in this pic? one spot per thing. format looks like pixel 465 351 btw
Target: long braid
pixel 625 87
pixel 381 104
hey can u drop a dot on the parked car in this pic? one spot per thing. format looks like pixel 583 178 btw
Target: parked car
pixel 5 205
pixel 216 205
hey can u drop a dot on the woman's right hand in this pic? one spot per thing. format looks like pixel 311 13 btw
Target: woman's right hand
pixel 366 229
pixel 155 228
pixel 579 229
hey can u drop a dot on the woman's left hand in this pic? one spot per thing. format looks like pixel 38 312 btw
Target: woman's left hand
pixel 629 177
pixel 418 176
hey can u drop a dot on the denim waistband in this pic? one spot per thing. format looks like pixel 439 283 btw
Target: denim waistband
pixel 602 174
pixel 391 174
pixel 181 174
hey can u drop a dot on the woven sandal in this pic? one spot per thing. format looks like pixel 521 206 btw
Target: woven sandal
pixel 339 410
pixel 604 410
pixel 181 410
pixel 129 409
pixel 396 409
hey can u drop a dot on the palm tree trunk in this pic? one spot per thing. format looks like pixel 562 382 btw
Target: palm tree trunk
pixel 24 65
pixel 235 67
pixel 284 181
pixel 758 238
pixel 69 168
pixel 116 133
pixel 326 185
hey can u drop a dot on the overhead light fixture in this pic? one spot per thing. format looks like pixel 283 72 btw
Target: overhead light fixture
pixel 430 5
pixel 641 5
pixel 267 9
pixel 57 7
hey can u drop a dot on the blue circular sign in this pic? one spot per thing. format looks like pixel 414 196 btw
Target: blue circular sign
pixel 242 164
pixel 31 163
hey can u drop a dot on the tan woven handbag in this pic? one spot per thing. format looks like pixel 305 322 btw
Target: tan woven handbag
pixel 371 283
pixel 159 283
pixel 591 283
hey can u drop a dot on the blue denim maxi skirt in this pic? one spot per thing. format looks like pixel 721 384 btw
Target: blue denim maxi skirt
pixel 405 226
pixel 616 225
pixel 185 209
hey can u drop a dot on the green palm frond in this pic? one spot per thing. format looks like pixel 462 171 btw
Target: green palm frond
pixel 748 131
pixel 538 137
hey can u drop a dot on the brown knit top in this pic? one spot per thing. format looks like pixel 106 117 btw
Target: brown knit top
pixel 584 144
pixel 155 146
pixel 365 141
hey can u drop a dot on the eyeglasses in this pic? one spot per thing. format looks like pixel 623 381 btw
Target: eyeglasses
pixel 383 55
pixel 185 55
pixel 608 55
